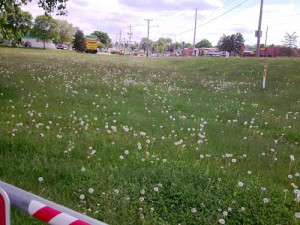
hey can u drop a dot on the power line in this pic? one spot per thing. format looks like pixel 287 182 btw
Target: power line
pixel 180 8
pixel 175 9
pixel 218 9
pixel 227 3
pixel 216 17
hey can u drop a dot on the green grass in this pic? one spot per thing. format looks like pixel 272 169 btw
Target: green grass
pixel 193 127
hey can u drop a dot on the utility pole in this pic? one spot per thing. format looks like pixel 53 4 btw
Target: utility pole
pixel 130 34
pixel 120 37
pixel 116 41
pixel 147 47
pixel 266 36
pixel 195 29
pixel 259 28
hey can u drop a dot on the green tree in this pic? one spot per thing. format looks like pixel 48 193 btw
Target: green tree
pixel 103 37
pixel 186 45
pixel 46 29
pixel 133 47
pixel 164 44
pixel 161 43
pixel 177 45
pixel 204 44
pixel 15 23
pixel 231 43
pixel 48 5
pixel 65 32
pixel 144 42
pixel 6 6
pixel 79 41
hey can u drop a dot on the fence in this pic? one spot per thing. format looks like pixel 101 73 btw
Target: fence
pixel 45 210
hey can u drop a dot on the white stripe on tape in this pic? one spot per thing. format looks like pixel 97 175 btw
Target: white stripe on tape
pixel 34 206
pixel 62 219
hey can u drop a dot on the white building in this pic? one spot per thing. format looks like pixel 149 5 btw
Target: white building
pixel 32 41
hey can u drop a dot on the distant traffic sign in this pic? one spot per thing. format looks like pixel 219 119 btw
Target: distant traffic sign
pixel 4 208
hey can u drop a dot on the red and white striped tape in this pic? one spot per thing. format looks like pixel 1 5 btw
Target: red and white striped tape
pixel 52 216
pixel 4 208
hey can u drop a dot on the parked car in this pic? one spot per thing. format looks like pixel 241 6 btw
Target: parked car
pixel 62 46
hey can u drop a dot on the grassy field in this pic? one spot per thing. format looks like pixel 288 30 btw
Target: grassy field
pixel 131 140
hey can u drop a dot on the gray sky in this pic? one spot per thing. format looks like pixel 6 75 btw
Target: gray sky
pixel 176 18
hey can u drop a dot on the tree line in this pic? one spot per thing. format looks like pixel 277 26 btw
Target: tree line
pixel 231 43
pixel 15 24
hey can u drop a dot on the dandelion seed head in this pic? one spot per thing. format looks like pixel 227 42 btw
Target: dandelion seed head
pixel 193 210
pixel 221 221
pixel 240 184
pixel 81 197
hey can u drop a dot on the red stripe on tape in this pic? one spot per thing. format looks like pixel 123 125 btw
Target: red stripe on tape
pixel 79 222
pixel 2 211
pixel 46 213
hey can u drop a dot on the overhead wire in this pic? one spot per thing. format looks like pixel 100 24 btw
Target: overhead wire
pixel 169 12
pixel 227 3
pixel 215 18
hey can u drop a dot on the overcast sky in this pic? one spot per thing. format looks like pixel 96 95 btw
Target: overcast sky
pixel 176 18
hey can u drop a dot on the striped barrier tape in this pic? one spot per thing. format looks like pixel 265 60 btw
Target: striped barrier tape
pixel 51 215
pixel 4 208
pixel 43 209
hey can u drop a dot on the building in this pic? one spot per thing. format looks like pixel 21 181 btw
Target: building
pixel 32 41
pixel 277 51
